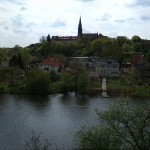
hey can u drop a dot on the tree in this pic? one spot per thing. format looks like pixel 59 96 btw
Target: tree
pixel 26 56
pixel 67 84
pixel 45 49
pixel 83 82
pixel 53 76
pixel 135 39
pixel 20 62
pixel 42 39
pixel 37 82
pixel 121 40
pixel 97 47
pixel 13 61
pixel 122 127
pixel 48 38
pixel 127 47
pixel 137 47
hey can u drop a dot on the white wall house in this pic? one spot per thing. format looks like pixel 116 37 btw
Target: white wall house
pixel 50 64
pixel 107 68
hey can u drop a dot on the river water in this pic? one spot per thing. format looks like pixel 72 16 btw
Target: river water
pixel 55 118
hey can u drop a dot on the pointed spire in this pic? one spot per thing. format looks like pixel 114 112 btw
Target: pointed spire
pixel 80 24
pixel 80 27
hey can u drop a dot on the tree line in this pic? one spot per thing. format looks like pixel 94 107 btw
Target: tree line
pixel 120 48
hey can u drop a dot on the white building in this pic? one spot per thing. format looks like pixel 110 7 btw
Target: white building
pixel 107 68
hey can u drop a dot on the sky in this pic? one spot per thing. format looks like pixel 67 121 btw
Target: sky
pixel 23 22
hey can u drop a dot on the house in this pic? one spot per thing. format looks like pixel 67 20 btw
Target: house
pixel 107 68
pixel 78 62
pixel 51 64
pixel 65 39
pixel 140 66
pixel 11 71
pixel 4 64
pixel 125 68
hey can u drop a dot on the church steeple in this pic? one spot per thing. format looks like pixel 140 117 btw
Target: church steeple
pixel 80 28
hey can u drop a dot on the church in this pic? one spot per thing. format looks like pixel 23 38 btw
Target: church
pixel 71 39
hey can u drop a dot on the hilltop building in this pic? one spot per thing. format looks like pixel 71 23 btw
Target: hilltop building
pixel 70 39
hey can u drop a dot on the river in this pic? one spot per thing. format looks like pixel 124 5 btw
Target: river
pixel 54 117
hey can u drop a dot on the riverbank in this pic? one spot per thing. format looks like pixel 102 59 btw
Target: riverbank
pixel 113 89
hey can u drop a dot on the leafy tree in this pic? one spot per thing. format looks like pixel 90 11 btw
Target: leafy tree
pixel 13 61
pixel 20 62
pixel 53 76
pixel 67 84
pixel 45 49
pixel 137 47
pixel 127 47
pixel 83 82
pixel 37 82
pixel 26 56
pixel 121 40
pixel 122 127
pixel 136 39
pixel 48 38
pixel 42 39
pixel 97 47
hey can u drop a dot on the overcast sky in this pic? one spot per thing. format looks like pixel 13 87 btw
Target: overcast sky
pixel 23 22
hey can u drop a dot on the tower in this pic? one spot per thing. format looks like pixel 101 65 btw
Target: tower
pixel 80 28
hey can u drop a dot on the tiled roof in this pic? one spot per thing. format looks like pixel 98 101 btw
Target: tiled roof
pixel 137 59
pixel 52 61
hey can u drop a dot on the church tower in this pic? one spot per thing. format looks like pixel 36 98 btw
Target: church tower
pixel 80 28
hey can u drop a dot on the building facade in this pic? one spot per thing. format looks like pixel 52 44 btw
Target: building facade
pixel 72 39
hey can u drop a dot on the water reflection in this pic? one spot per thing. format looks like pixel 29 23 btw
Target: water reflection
pixel 57 117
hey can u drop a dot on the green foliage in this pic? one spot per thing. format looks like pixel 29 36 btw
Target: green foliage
pixel 53 76
pixel 83 82
pixel 66 83
pixel 127 47
pixel 96 138
pixel 121 40
pixel 26 56
pixel 137 47
pixel 141 92
pixel 122 127
pixel 20 62
pixel 135 39
pixel 97 47
pixel 45 49
pixel 37 82
pixel 13 61
pixel 48 38
pixel 3 76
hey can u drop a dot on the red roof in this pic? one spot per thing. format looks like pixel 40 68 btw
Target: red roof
pixel 137 59
pixel 52 61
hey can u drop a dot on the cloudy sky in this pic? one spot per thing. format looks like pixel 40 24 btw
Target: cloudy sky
pixel 23 22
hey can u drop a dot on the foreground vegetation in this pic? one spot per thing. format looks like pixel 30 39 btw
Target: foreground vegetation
pixel 121 127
